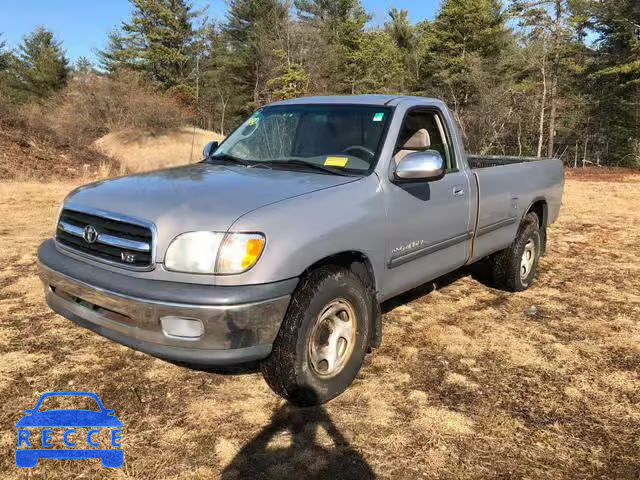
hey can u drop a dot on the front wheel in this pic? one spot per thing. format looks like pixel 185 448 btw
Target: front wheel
pixel 515 268
pixel 323 339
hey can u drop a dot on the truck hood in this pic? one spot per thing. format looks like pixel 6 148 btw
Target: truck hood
pixel 198 197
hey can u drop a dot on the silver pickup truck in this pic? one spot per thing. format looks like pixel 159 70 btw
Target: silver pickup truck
pixel 281 244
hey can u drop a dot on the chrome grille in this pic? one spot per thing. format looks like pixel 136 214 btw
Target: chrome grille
pixel 113 240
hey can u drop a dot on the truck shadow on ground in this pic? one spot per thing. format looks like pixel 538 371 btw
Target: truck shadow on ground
pixel 299 443
pixel 304 442
pixel 478 271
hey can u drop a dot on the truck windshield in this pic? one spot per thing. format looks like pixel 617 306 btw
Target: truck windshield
pixel 328 138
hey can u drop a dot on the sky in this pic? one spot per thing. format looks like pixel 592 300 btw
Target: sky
pixel 83 25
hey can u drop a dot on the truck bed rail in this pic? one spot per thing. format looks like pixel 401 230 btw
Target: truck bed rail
pixel 486 161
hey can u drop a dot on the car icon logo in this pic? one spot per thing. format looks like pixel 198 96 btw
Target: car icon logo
pixel 97 428
pixel 90 234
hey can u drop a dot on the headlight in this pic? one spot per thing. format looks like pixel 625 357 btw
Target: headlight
pixel 214 252
pixel 239 252
pixel 193 252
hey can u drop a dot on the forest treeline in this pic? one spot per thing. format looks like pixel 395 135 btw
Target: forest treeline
pixel 526 77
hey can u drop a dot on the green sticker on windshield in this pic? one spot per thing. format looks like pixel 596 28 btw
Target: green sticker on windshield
pixel 378 117
pixel 254 119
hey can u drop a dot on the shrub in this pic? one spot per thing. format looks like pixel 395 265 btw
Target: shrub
pixel 94 105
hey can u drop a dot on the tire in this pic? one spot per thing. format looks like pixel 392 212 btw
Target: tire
pixel 293 370
pixel 508 270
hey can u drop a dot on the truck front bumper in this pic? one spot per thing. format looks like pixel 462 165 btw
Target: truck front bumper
pixel 234 325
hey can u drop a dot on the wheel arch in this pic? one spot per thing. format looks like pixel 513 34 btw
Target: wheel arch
pixel 360 264
pixel 540 208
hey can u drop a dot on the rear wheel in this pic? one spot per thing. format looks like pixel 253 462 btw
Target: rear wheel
pixel 323 339
pixel 515 268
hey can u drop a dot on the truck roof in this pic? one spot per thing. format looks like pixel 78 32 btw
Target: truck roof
pixel 374 99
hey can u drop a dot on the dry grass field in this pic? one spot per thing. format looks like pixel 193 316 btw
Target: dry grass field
pixel 470 382
pixel 138 151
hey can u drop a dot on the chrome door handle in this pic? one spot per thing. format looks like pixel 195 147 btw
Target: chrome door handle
pixel 458 191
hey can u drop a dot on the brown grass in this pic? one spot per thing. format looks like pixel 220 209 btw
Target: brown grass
pixel 138 150
pixel 470 382
pixel 52 141
pixel 31 152
pixel 602 174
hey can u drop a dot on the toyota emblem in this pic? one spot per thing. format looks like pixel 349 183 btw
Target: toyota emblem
pixel 90 234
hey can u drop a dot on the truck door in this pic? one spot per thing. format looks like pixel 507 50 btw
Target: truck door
pixel 428 227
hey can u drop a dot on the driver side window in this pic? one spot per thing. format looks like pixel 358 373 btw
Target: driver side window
pixel 423 130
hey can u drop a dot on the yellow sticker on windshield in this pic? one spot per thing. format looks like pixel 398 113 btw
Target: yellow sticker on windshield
pixel 336 162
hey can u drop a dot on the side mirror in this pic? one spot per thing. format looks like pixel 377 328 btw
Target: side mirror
pixel 209 148
pixel 427 165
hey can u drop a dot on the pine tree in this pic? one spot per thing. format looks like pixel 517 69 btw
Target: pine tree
pixel 83 66
pixel 462 30
pixel 39 68
pixel 401 29
pixel 159 41
pixel 4 59
pixel 376 64
pixel 216 86
pixel 256 30
pixel 407 38
pixel 292 80
pixel 339 26
pixel 615 76
pixel 4 55
pixel 342 20
pixel 463 62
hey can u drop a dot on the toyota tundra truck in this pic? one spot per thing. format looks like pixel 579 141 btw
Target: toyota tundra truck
pixel 280 245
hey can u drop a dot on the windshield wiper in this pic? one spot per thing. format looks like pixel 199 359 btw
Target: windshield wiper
pixel 228 158
pixel 315 166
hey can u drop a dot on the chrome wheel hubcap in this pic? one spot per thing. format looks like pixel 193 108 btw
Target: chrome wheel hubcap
pixel 332 338
pixel 528 258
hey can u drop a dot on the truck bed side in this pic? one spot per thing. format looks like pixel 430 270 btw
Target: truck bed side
pixel 507 189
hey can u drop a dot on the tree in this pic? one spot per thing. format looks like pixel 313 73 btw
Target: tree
pixel 549 21
pixel 255 30
pixel 292 82
pixel 39 68
pixel 342 20
pixel 5 59
pixel 376 65
pixel 159 41
pixel 4 55
pixel 463 29
pixel 338 26
pixel 216 88
pixel 407 38
pixel 83 66
pixel 120 53
pixel 615 76
pixel 464 53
